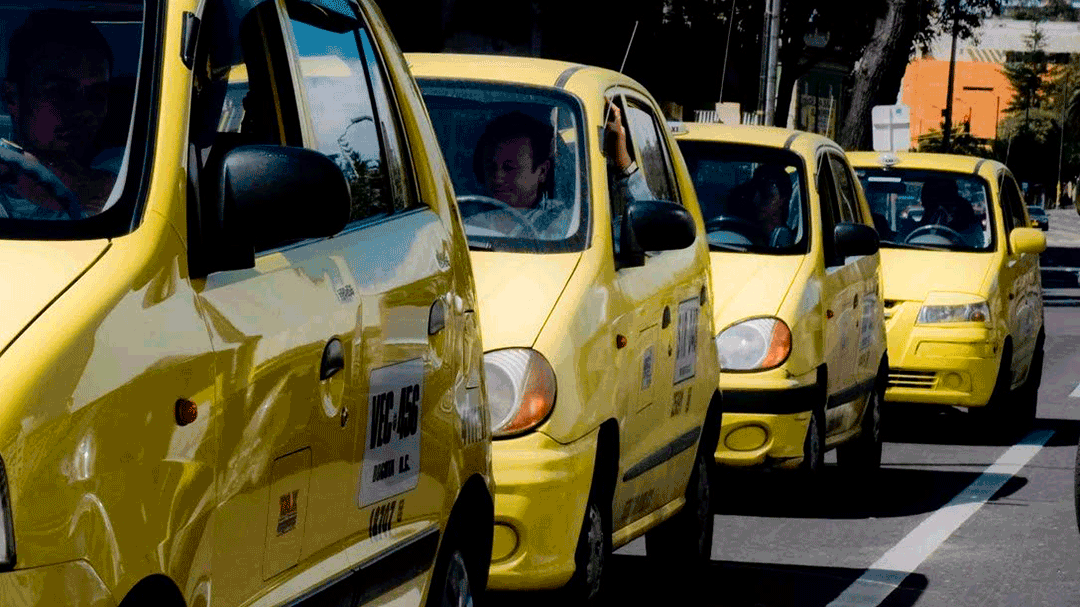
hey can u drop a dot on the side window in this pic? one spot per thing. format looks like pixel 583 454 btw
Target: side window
pixel 652 153
pixel 1013 208
pixel 353 119
pixel 234 100
pixel 845 186
pixel 830 210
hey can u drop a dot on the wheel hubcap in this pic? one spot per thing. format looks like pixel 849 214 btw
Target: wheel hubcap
pixel 457 592
pixel 594 537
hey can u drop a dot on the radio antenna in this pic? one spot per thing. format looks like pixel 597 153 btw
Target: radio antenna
pixel 607 110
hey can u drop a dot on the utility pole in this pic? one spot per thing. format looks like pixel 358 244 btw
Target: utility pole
pixel 946 135
pixel 772 43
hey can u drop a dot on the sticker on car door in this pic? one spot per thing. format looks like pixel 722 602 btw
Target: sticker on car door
pixel 686 339
pixel 391 462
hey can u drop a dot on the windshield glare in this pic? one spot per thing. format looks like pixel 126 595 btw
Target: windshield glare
pixel 68 73
pixel 929 209
pixel 515 157
pixel 751 197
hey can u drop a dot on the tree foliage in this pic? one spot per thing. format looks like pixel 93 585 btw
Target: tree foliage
pixel 1029 74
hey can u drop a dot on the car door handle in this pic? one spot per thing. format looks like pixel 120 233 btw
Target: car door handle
pixel 333 359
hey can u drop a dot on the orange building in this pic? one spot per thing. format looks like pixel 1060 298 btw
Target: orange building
pixel 980 93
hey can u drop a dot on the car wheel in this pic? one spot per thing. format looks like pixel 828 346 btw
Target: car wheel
pixel 864 453
pixel 590 556
pixel 686 538
pixel 814 445
pixel 457 591
pixel 1003 417
pixel 451 579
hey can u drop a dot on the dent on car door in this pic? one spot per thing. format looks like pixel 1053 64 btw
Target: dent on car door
pixel 270 325
pixel 396 285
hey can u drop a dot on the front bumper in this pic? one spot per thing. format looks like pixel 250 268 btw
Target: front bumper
pixel 765 419
pixel 73 583
pixel 953 364
pixel 541 489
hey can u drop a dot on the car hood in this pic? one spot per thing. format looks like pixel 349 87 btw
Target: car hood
pixel 34 273
pixel 909 275
pixel 750 285
pixel 516 292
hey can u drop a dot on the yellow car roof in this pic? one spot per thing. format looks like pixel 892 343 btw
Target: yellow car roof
pixel 764 136
pixel 500 68
pixel 922 160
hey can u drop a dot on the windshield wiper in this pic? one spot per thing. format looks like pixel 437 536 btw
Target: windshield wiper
pixel 716 246
pixel 912 245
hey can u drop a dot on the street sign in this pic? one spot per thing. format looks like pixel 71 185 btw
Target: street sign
pixel 891 127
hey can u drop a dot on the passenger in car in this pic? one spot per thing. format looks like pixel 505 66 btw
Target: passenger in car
pixel 944 206
pixel 56 91
pixel 514 160
pixel 762 204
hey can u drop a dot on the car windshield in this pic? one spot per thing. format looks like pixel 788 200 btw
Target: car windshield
pixel 69 72
pixel 515 155
pixel 929 209
pixel 1036 211
pixel 751 196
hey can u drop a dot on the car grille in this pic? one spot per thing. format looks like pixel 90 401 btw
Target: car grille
pixel 906 378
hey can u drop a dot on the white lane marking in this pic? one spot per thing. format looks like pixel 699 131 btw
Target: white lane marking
pixel 884 576
pixel 1076 392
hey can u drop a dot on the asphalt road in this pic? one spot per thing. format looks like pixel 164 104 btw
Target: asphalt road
pixel 953 518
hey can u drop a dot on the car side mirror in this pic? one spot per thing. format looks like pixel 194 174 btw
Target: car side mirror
pixel 1027 240
pixel 653 225
pixel 267 196
pixel 853 239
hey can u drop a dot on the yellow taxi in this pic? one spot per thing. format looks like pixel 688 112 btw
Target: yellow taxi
pixel 797 305
pixel 595 300
pixel 240 350
pixel 963 300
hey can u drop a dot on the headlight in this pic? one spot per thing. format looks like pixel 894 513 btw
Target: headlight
pixel 521 390
pixel 970 312
pixel 754 345
pixel 7 532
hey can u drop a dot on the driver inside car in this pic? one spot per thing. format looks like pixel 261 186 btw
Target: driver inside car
pixel 514 160
pixel 56 91
pixel 947 214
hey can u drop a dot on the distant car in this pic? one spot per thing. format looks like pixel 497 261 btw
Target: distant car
pixel 963 305
pixel 1039 218
pixel 796 380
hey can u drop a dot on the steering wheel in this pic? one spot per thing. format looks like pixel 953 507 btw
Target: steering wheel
pixel 15 159
pixel 731 223
pixel 475 203
pixel 945 231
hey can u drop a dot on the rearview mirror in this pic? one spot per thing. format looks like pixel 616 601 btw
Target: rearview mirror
pixel 853 239
pixel 653 225
pixel 1027 240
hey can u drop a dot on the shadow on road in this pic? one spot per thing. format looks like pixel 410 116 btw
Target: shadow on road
pixel 723 584
pixel 948 426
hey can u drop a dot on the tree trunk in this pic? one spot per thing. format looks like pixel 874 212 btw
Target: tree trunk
pixel 892 41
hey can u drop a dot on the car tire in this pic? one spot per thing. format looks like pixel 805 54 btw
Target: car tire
pixel 590 556
pixel 814 445
pixel 453 580
pixel 685 539
pixel 1005 414
pixel 864 453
